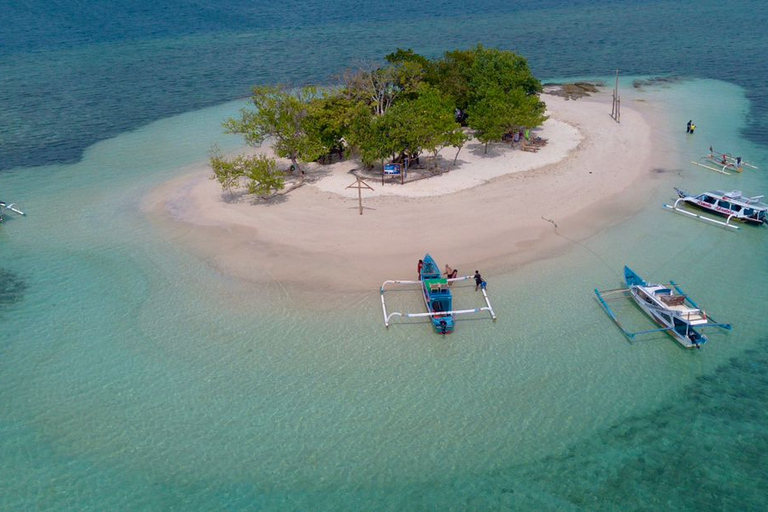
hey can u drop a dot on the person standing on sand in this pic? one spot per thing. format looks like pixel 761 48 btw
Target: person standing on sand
pixel 448 271
pixel 421 265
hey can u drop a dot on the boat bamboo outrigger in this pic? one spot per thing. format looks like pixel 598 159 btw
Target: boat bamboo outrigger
pixel 437 298
pixel 732 205
pixel 724 163
pixel 8 206
pixel 677 314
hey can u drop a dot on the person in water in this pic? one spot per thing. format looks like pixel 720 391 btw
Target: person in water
pixel 688 127
pixel 693 128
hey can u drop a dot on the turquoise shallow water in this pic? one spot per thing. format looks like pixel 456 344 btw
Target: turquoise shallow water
pixel 136 377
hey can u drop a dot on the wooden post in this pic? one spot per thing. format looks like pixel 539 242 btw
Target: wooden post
pixel 616 105
pixel 359 184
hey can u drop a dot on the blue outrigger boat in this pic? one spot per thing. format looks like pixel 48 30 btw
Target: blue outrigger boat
pixel 667 305
pixel 437 298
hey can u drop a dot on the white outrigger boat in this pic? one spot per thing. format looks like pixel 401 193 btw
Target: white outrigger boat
pixel 437 296
pixel 677 314
pixel 8 206
pixel 724 163
pixel 732 205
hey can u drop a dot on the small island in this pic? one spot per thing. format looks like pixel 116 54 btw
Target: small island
pixel 404 113
pixel 495 178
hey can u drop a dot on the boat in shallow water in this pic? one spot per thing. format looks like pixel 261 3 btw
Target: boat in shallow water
pixel 668 306
pixel 732 205
pixel 437 296
pixel 724 163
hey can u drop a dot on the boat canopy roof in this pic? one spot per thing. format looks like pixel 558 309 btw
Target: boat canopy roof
pixel 736 196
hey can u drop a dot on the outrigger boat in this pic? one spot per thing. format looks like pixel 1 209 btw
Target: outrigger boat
pixel 437 298
pixel 732 205
pixel 8 206
pixel 667 305
pixel 723 163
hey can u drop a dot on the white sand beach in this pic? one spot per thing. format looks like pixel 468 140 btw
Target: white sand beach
pixel 490 212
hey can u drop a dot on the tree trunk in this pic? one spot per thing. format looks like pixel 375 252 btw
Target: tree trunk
pixel 295 165
pixel 457 155
pixel 486 148
pixel 289 189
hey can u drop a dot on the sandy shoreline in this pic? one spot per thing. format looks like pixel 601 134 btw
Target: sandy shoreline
pixel 492 212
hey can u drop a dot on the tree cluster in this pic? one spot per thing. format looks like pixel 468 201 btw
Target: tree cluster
pixel 407 106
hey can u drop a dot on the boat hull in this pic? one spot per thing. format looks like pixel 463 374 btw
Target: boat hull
pixel 714 203
pixel 437 297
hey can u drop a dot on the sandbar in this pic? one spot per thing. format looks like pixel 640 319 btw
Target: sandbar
pixel 491 212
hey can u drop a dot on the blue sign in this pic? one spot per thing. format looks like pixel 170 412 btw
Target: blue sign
pixel 392 169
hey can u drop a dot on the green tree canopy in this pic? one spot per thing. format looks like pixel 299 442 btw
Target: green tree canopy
pixel 499 112
pixel 426 123
pixel 498 69
pixel 258 174
pixel 280 114
pixel 329 120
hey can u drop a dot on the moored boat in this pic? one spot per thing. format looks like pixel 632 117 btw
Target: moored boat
pixel 724 163
pixel 733 205
pixel 437 296
pixel 668 306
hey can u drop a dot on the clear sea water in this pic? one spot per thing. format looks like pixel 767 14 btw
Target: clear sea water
pixel 135 377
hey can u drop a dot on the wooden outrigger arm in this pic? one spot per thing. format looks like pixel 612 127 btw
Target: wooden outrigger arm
pixel 388 316
pixel 726 224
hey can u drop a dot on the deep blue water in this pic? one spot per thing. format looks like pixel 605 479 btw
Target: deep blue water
pixel 72 74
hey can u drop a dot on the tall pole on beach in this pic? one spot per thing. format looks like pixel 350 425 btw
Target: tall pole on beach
pixel 616 106
pixel 359 184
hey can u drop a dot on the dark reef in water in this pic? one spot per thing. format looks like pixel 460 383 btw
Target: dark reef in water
pixel 12 288
pixel 572 91
pixel 707 450
pixel 658 80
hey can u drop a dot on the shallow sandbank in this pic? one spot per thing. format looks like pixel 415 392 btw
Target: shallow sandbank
pixel 490 212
